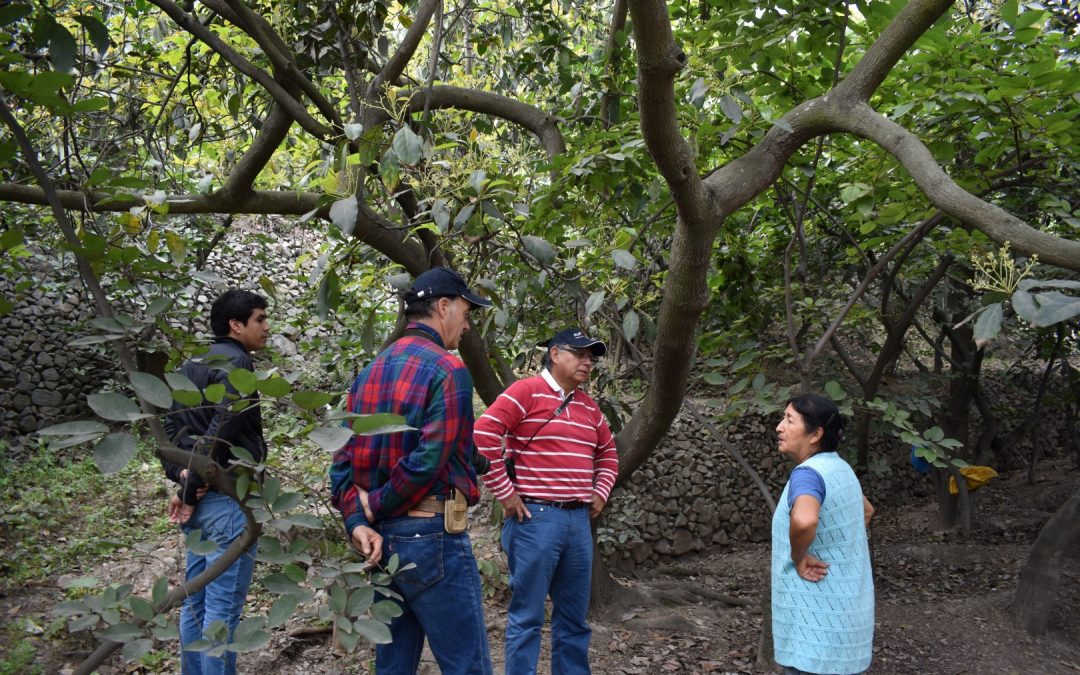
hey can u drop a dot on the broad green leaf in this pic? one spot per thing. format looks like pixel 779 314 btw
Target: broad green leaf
pixel 595 302
pixel 476 180
pixel 378 423
pixel 375 632
pixel 624 259
pixel 160 590
pixel 360 600
pixel 329 295
pixel 136 649
pixel 440 215
pixel 463 215
pixel 281 584
pixel 731 109
pixel 159 305
pixel 62 48
pixel 199 546
pixel 1009 12
pixel 187 398
pixel 989 323
pixel 122 632
pixel 152 389
pixel 630 324
pixel 141 608
pixel 309 400
pixel 114 452
pixel 934 434
pixel 835 391
pixel 282 610
pixel 79 428
pixel 540 249
pixel 14 12
pixel 408 146
pixel 179 381
pixel 1057 311
pixel 243 379
pixel 343 214
pixel 275 387
pixel 286 502
pixel 385 610
pixel 115 407
pixel 853 191
pixel 1024 306
pixel 215 393
pixel 330 438
pixel 353 131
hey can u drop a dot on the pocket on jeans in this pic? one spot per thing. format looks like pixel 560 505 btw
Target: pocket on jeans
pixel 425 552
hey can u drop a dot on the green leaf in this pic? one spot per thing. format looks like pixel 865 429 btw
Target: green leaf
pixel 11 238
pixel 199 546
pixel 1056 310
pixel 539 248
pixel 309 400
pixel 375 632
pixel 114 452
pixel 1024 305
pixel 835 391
pixel 122 632
pixel 989 323
pixel 1009 12
pixel 80 428
pixel 731 109
pixel 62 48
pixel 187 398
pixel 115 407
pixel 287 502
pixel 141 608
pixel 243 483
pixel 630 324
pixel 329 296
pixel 440 215
pixel 463 215
pixel 215 393
pixel 360 600
pixel 343 214
pixel 160 590
pixel 14 12
pixel 853 191
pixel 136 649
pixel 243 379
pixel 378 423
pixel 330 438
pixel 353 131
pixel 179 381
pixel 282 610
pixel 624 259
pixel 97 31
pixel 476 180
pixel 152 389
pixel 385 610
pixel 408 146
pixel 274 387
pixel 934 434
pixel 281 584
pixel 594 303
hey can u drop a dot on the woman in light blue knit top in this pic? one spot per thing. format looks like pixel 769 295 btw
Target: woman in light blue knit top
pixel 822 585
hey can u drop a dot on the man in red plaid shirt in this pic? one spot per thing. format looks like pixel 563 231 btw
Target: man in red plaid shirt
pixel 393 489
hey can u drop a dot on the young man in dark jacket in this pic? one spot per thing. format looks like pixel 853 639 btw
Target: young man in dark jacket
pixel 238 319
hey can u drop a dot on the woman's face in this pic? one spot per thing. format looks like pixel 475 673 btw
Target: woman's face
pixel 793 441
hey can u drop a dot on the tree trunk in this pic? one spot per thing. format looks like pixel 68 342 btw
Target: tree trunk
pixel 1039 582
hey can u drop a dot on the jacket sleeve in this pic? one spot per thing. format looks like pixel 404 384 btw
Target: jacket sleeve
pixel 489 434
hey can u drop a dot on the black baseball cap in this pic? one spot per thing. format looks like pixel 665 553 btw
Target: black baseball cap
pixel 576 338
pixel 442 282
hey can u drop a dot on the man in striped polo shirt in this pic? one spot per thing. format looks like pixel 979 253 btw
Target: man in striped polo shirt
pixel 556 473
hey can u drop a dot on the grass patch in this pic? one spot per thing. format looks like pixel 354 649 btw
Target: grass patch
pixel 61 514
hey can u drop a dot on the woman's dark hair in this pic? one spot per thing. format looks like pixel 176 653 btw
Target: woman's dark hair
pixel 233 304
pixel 819 412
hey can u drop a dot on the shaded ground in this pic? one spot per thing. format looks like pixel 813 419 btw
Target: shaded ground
pixel 940 603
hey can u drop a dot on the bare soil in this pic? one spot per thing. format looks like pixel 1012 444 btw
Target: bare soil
pixel 942 604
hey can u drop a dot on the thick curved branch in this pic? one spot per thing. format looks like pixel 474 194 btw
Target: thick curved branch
pixel 894 42
pixel 280 56
pixel 255 201
pixel 295 109
pixel 660 60
pixel 396 65
pixel 272 133
pixel 540 123
pixel 993 221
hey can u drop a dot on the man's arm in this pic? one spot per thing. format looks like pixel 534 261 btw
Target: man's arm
pixel 605 467
pixel 489 435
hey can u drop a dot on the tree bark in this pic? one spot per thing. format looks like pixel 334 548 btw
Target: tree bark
pixel 1039 582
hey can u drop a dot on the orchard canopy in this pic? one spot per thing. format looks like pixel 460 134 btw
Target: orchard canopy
pixel 680 177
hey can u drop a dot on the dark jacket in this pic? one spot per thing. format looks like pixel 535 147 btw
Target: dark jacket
pixel 211 428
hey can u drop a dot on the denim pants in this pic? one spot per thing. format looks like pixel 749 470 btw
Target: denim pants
pixel 550 554
pixel 443 600
pixel 221 521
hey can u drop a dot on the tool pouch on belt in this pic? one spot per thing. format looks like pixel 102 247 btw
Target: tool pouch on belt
pixel 456 513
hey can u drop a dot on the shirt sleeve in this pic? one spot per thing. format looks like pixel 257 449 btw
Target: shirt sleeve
pixel 805 481
pixel 605 460
pixel 489 434
pixel 448 418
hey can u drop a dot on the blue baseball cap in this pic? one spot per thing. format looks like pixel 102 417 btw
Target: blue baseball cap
pixel 576 338
pixel 440 282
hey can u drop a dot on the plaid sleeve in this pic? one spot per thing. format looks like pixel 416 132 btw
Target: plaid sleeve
pixel 447 424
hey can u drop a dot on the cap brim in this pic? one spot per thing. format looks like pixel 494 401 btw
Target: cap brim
pixel 597 347
pixel 476 300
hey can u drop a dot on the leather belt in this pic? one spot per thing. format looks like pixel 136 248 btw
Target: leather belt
pixel 555 505
pixel 427 507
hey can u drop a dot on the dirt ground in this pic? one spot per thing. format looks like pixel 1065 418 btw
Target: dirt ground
pixel 941 604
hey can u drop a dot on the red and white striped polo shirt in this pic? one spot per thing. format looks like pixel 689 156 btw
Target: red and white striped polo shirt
pixel 571 457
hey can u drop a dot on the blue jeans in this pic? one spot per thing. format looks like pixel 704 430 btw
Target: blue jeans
pixel 551 554
pixel 221 521
pixel 443 600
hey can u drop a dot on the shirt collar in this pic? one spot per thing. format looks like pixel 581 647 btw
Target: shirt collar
pixel 427 329
pixel 550 379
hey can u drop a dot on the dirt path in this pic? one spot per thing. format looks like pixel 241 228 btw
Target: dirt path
pixel 940 603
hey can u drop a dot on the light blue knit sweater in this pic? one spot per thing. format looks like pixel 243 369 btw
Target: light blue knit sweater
pixel 827 626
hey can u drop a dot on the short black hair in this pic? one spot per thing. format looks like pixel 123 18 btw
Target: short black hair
pixel 423 308
pixel 819 412
pixel 233 304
